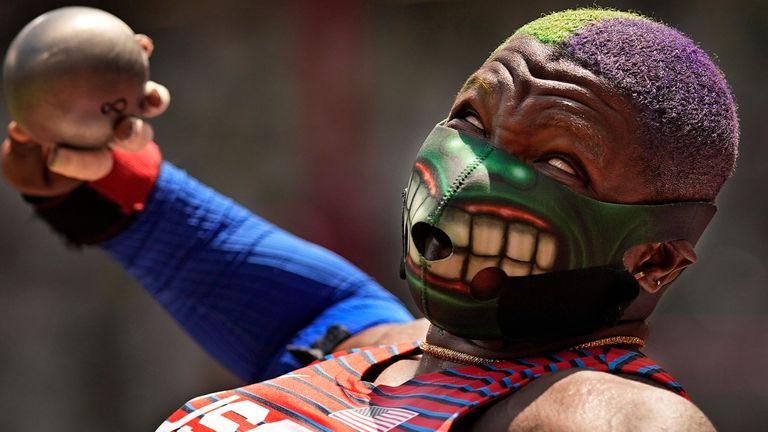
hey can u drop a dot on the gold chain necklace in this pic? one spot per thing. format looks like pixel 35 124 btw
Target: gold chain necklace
pixel 454 356
pixel 613 340
pixel 468 359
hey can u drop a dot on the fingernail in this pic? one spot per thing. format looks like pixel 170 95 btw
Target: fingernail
pixel 153 98
pixel 125 129
pixel 17 133
pixel 130 128
pixel 53 158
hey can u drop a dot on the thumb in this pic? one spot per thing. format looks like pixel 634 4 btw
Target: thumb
pixel 23 164
pixel 81 164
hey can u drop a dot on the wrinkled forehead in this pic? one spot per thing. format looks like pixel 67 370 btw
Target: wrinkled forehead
pixel 531 63
pixel 529 93
pixel 524 68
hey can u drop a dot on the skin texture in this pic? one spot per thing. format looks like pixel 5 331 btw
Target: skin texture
pixel 594 401
pixel 386 334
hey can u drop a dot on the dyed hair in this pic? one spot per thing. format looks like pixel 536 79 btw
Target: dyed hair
pixel 689 129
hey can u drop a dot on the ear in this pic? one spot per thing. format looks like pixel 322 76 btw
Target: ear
pixel 658 264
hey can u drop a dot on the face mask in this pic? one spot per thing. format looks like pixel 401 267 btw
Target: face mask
pixel 473 213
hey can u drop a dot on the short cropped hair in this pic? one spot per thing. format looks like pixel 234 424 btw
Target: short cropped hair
pixel 689 129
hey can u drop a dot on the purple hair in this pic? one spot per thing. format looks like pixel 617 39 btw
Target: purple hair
pixel 686 111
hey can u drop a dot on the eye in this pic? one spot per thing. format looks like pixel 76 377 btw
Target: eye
pixel 564 170
pixel 467 120
pixel 562 165
pixel 474 120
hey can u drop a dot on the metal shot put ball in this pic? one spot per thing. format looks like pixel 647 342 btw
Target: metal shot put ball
pixel 71 73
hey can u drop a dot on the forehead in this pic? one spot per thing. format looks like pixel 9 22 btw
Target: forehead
pixel 529 90
pixel 544 67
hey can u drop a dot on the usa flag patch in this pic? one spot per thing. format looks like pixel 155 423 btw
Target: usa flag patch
pixel 373 418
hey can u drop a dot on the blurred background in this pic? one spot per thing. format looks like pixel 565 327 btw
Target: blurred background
pixel 309 113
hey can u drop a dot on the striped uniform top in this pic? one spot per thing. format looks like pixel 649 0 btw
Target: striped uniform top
pixel 334 395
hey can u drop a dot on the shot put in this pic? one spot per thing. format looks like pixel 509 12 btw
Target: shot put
pixel 71 73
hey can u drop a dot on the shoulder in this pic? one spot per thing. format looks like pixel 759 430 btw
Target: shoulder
pixel 387 334
pixel 594 401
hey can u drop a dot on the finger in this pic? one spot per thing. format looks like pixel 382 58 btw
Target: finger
pixel 86 165
pixel 23 147
pixel 145 42
pixel 24 168
pixel 17 133
pixel 22 165
pixel 156 99
pixel 132 134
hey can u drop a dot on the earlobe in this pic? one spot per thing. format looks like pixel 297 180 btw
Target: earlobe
pixel 657 264
pixel 646 283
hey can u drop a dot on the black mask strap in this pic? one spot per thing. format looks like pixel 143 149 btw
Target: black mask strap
pixel 404 234
pixel 563 304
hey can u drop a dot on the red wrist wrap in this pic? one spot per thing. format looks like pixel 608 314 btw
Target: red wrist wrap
pixel 132 178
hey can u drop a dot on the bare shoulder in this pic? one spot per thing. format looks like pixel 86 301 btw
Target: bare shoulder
pixel 387 334
pixel 593 401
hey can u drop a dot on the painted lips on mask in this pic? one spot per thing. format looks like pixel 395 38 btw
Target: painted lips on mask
pixel 475 238
pixel 485 262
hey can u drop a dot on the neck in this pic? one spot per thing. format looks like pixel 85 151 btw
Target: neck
pixel 502 350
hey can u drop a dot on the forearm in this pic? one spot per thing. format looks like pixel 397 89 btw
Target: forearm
pixel 242 287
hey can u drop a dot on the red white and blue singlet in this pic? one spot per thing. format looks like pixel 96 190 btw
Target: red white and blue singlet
pixel 333 396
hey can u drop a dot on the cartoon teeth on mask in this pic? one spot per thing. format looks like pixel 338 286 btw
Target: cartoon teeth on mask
pixel 493 249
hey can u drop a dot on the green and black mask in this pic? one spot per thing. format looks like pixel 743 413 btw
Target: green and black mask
pixel 473 211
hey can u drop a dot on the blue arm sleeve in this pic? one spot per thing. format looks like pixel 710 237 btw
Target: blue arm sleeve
pixel 243 288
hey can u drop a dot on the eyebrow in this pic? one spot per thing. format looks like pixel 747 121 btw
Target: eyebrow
pixel 589 140
pixel 475 82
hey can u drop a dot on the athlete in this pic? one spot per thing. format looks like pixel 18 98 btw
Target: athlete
pixel 543 220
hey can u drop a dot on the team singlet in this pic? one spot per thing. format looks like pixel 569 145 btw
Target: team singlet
pixel 332 395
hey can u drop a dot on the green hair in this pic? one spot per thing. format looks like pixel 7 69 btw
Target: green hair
pixel 556 27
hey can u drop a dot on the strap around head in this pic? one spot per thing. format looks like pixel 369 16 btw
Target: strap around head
pixel 562 304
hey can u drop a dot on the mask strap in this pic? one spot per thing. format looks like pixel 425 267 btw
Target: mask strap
pixel 404 234
pixel 673 221
pixel 548 307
